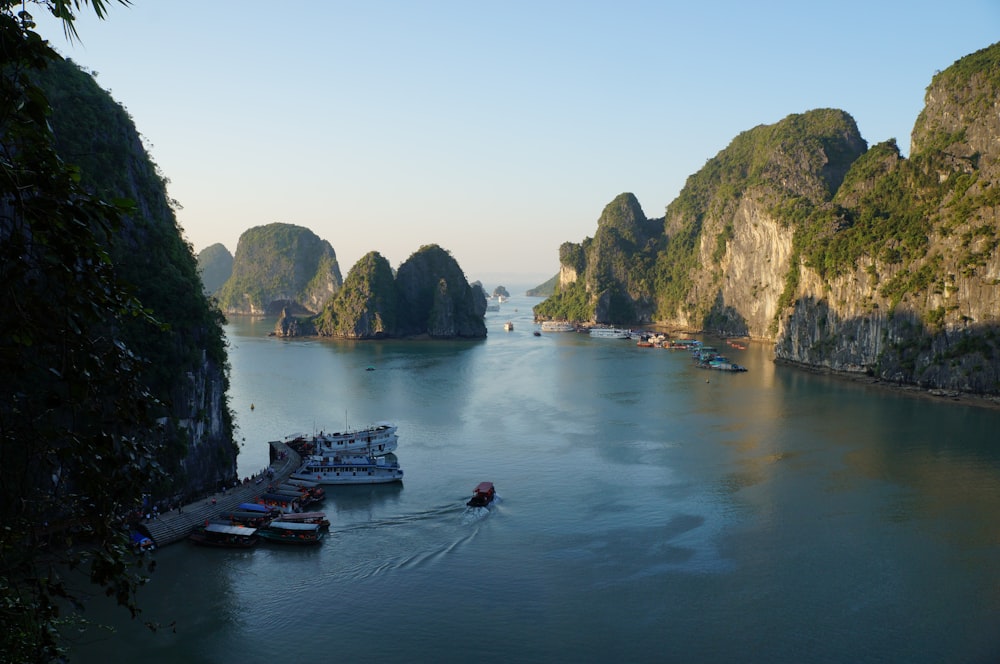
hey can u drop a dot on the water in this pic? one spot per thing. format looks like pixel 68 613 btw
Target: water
pixel 648 511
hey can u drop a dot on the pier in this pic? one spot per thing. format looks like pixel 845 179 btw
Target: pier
pixel 177 524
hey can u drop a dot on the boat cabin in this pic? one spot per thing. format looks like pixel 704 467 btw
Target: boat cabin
pixel 482 495
pixel 285 503
pixel 291 532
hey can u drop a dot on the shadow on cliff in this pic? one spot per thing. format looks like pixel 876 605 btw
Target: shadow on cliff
pixel 724 320
pixel 895 346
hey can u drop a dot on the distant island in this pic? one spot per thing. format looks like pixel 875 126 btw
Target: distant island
pixel 215 265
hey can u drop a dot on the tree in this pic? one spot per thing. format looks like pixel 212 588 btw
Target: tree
pixel 77 429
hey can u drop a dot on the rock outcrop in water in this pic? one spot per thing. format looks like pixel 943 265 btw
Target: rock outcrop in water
pixel 428 296
pixel 367 306
pixel 847 258
pixel 215 265
pixel 436 299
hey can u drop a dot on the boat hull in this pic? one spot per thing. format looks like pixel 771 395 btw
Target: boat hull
pixel 374 475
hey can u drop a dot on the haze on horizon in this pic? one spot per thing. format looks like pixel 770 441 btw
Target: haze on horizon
pixel 496 131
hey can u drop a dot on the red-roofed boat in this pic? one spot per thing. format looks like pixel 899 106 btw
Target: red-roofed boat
pixel 483 495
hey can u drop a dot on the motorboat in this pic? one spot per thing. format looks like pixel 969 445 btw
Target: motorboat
pixel 292 532
pixel 305 517
pixel 482 495
pixel 224 535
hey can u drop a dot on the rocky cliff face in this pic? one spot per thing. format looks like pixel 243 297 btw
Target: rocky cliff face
pixel 928 316
pixel 280 266
pixel 847 258
pixel 186 368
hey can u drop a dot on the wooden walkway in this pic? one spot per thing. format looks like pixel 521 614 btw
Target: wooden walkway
pixel 176 525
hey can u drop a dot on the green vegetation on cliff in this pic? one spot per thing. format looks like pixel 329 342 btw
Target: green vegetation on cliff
pixel 636 270
pixel 367 305
pixel 612 269
pixel 799 162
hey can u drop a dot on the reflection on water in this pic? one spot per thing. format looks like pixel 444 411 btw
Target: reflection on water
pixel 650 511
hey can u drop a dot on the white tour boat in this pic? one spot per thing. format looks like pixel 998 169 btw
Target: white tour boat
pixel 375 440
pixel 349 469
pixel 610 333
pixel 557 326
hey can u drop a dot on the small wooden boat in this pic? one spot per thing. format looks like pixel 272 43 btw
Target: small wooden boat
pixel 483 495
pixel 308 495
pixel 304 517
pixel 224 535
pixel 282 502
pixel 256 507
pixel 290 532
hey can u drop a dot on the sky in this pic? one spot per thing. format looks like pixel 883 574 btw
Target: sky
pixel 497 130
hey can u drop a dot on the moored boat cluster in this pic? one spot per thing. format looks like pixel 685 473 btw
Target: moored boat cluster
pixel 353 456
pixel 705 357
pixel 284 512
pixel 277 516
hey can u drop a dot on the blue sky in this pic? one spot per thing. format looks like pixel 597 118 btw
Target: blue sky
pixel 496 130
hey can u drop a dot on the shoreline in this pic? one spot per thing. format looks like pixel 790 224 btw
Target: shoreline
pixel 958 397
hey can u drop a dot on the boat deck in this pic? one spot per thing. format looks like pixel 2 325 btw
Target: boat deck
pixel 175 525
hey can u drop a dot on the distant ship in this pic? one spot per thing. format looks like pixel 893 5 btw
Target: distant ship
pixel 557 326
pixel 610 333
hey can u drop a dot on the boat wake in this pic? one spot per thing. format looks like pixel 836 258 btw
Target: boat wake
pixel 473 515
pixel 432 514
pixel 421 558
pixel 412 541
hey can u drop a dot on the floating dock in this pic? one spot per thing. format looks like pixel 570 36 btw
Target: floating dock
pixel 176 525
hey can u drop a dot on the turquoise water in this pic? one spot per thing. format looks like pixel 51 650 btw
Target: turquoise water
pixel 648 511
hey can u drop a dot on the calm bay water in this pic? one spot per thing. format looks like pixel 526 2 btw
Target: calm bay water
pixel 649 511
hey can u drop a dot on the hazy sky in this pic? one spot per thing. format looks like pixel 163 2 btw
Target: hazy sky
pixel 498 130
